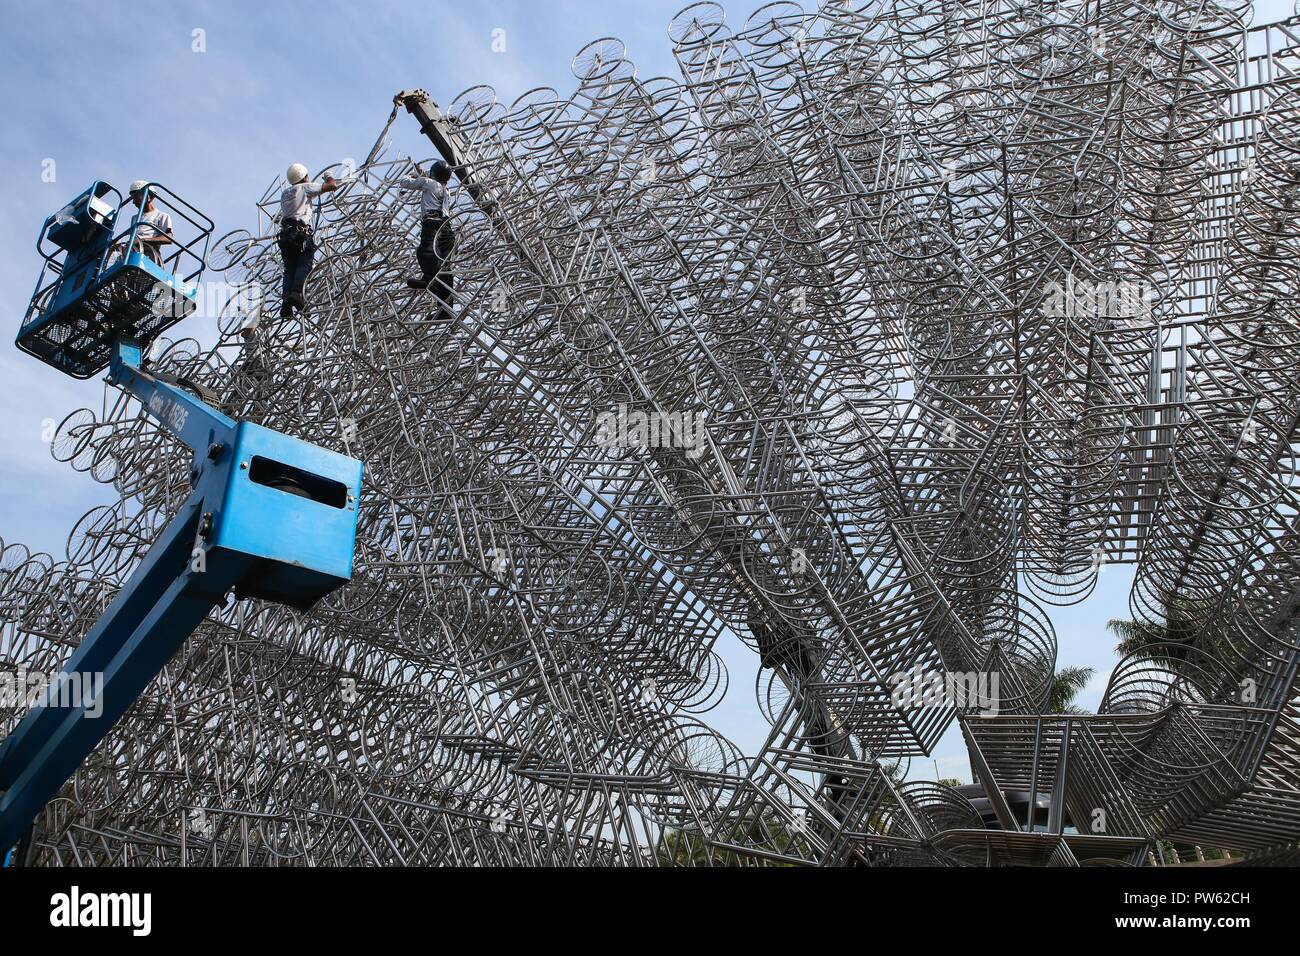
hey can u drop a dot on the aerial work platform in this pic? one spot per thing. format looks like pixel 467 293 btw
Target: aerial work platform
pixel 270 516
pixel 98 285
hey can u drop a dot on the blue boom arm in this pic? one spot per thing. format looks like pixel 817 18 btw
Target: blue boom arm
pixel 270 517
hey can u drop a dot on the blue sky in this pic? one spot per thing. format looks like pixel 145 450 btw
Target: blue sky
pixel 117 92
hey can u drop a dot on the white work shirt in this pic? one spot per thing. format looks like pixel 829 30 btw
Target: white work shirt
pixel 153 223
pixel 435 198
pixel 295 202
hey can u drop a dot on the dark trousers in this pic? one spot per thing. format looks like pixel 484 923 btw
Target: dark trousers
pixel 297 248
pixel 437 240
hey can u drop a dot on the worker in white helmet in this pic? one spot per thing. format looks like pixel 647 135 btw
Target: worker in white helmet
pixel 155 226
pixel 297 248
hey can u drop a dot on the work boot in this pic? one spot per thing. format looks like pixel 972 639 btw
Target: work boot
pixel 255 368
pixel 286 310
pixel 298 302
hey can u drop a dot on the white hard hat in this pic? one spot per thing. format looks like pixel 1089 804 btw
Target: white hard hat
pixel 138 185
pixel 296 174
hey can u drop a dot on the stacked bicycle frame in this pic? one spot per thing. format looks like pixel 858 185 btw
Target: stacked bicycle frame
pixel 970 300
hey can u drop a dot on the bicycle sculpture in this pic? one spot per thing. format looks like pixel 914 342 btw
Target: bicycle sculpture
pixel 878 330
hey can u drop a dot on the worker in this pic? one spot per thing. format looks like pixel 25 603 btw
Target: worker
pixel 297 248
pixel 437 238
pixel 155 226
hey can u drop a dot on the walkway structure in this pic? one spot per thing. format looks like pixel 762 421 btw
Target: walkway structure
pixel 975 300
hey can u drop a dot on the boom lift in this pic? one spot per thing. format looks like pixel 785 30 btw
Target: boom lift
pixel 269 517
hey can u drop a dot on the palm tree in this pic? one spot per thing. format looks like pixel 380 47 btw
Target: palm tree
pixel 1180 627
pixel 1184 645
pixel 1066 684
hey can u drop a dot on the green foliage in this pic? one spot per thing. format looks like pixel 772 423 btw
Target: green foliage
pixel 1066 684
pixel 679 848
pixel 1186 852
pixel 1180 628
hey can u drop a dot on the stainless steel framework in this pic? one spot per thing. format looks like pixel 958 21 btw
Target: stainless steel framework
pixel 889 251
